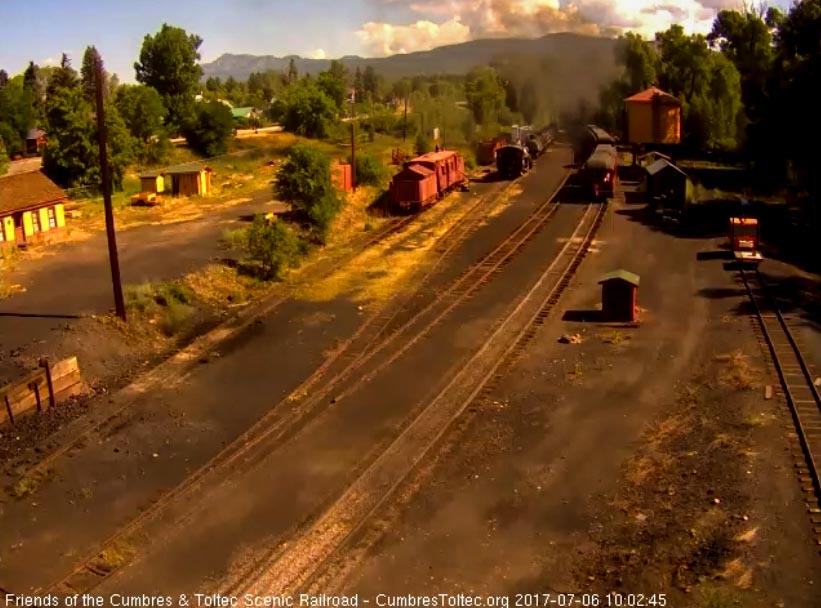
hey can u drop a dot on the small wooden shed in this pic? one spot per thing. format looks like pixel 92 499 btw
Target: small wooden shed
pixel 666 179
pixel 342 176
pixel 180 180
pixel 618 295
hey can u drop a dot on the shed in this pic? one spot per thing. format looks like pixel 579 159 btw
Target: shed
pixel 670 181
pixel 653 117
pixel 191 179
pixel 35 141
pixel 247 113
pixel 618 295
pixel 30 206
pixel 152 181
pixel 342 176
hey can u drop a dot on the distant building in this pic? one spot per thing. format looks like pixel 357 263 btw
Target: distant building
pixel 30 206
pixel 653 117
pixel 249 113
pixel 191 179
pixel 35 141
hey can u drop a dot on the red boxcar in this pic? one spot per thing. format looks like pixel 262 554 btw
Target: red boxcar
pixel 426 178
pixel 413 187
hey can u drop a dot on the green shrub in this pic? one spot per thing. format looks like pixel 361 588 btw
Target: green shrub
pixel 370 171
pixel 175 317
pixel 209 130
pixel 273 246
pixel 304 180
pixel 4 158
pixel 235 238
pixel 422 144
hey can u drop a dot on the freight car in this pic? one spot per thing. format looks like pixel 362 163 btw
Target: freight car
pixel 539 141
pixel 599 174
pixel 427 178
pixel 590 137
pixel 512 161
pixel 486 150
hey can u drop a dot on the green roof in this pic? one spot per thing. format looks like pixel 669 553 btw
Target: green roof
pixel 242 112
pixel 624 275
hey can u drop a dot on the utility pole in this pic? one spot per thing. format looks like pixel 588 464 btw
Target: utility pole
pixel 119 302
pixel 353 142
pixel 405 122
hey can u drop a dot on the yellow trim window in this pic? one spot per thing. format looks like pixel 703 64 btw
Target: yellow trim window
pixel 52 220
pixel 35 222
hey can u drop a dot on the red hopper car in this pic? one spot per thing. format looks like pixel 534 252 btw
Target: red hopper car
pixel 427 178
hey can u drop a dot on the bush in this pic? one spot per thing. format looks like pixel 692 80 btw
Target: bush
pixel 422 145
pixel 273 246
pixel 399 127
pixel 304 180
pixel 4 159
pixel 370 171
pixel 209 130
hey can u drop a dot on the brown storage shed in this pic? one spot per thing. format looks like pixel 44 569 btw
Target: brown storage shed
pixel 619 290
pixel 342 176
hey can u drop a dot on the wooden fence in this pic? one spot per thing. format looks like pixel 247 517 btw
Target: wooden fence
pixel 41 389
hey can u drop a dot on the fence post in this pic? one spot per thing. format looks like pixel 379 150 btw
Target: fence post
pixel 51 398
pixel 34 386
pixel 8 409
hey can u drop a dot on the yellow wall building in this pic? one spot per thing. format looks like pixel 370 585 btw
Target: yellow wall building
pixel 653 116
pixel 31 205
pixel 182 180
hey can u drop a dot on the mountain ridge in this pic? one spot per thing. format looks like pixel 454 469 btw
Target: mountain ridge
pixel 581 63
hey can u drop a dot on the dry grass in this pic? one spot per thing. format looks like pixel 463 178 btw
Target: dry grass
pixel 354 217
pixel 737 372
pixel 383 270
pixel 614 337
pixel 114 557
pixel 220 286
pixel 28 484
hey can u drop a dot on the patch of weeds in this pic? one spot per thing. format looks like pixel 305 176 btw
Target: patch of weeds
pixel 114 557
pixel 175 317
pixel 738 372
pixel 757 420
pixel 235 238
pixel 28 484
pixel 614 337
pixel 717 598
pixel 139 297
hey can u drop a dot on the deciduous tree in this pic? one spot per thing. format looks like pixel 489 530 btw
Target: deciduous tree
pixel 169 63
pixel 210 128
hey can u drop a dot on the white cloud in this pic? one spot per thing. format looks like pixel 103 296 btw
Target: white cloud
pixel 49 61
pixel 317 54
pixel 470 19
pixel 388 39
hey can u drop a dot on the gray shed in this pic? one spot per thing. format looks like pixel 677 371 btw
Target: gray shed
pixel 666 179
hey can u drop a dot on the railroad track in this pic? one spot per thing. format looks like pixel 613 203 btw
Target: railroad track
pixel 281 422
pixel 798 386
pixel 296 564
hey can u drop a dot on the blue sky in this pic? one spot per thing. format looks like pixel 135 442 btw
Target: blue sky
pixel 41 30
